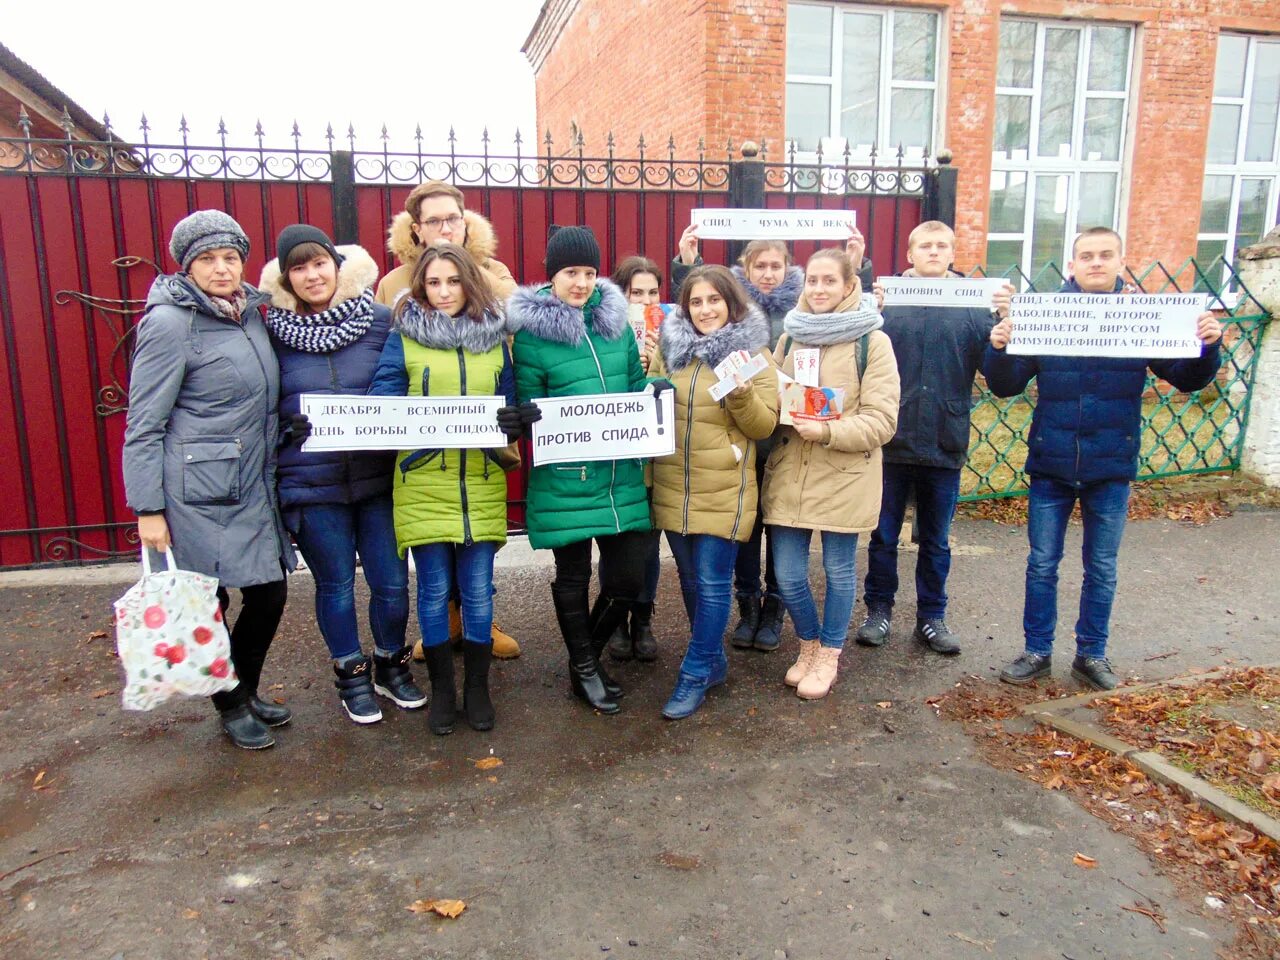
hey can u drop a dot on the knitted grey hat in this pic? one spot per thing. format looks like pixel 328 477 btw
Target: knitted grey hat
pixel 206 230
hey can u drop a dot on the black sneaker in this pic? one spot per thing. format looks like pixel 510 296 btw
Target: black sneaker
pixel 355 689
pixel 874 631
pixel 933 632
pixel 1027 669
pixel 744 634
pixel 392 679
pixel 1095 672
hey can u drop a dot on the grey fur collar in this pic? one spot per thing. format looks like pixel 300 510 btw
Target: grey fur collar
pixel 535 309
pixel 823 329
pixel 680 343
pixel 781 298
pixel 439 331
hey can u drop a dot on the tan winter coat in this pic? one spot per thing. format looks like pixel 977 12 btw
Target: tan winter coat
pixel 708 486
pixel 835 484
pixel 481 244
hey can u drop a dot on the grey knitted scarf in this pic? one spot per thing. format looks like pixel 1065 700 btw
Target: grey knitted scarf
pixel 823 329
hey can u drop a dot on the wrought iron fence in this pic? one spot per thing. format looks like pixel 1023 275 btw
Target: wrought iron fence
pixel 1200 432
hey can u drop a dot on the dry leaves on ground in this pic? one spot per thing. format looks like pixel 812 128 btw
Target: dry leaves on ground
pixel 1085 862
pixel 444 908
pixel 488 763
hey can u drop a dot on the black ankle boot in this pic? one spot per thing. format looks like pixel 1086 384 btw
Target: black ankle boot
pixel 607 615
pixel 642 641
pixel 443 712
pixel 744 634
pixel 584 676
pixel 475 686
pixel 272 714
pixel 245 729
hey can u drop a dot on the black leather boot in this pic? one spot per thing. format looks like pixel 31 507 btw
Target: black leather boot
pixel 744 634
pixel 244 728
pixel 642 641
pixel 607 614
pixel 475 686
pixel 584 677
pixel 443 712
pixel 272 714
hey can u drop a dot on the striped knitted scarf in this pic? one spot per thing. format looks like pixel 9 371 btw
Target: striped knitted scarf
pixel 339 326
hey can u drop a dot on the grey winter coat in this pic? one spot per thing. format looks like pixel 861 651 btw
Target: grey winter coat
pixel 201 434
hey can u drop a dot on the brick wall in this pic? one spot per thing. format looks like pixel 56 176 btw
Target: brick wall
pixel 715 68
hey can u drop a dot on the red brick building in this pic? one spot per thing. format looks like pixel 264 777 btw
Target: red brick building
pixel 1158 118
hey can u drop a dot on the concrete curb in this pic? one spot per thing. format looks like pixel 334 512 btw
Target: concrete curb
pixel 1053 713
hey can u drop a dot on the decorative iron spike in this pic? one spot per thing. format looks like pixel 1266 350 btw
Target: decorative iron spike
pixel 547 139
pixel 484 135
pixel 328 135
pixel 902 151
pixel 641 143
pixel 383 136
pixel 106 123
pixel 608 141
pixel 65 122
pixel 580 140
pixel 222 128
pixel 296 132
pixel 351 135
pixel 452 136
pixel 519 140
pixel 257 129
pixel 24 121
pixel 417 133
pixel 145 127
pixel 671 143
pixel 182 125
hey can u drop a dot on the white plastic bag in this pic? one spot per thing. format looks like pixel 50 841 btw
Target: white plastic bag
pixel 171 636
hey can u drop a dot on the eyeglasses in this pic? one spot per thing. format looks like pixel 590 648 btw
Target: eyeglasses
pixel 436 223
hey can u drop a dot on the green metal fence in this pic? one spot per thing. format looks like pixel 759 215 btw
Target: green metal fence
pixel 1201 432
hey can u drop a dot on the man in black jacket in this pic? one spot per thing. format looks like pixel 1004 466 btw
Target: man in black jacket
pixel 938 350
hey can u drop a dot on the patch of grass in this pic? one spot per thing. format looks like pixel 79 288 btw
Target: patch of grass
pixel 1250 796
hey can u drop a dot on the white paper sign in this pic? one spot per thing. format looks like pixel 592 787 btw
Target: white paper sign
pixel 1151 326
pixel 358 422
pixel 805 366
pixel 760 224
pixel 606 426
pixel 740 362
pixel 940 291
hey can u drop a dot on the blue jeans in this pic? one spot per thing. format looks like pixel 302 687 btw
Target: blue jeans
pixel 705 564
pixel 936 490
pixel 329 536
pixel 1104 507
pixel 839 561
pixel 444 566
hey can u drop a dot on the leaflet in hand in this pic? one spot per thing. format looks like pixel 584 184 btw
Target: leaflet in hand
pixel 745 365
pixel 646 318
pixel 796 401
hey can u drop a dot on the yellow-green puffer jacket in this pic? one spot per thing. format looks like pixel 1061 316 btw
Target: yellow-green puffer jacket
pixel 708 486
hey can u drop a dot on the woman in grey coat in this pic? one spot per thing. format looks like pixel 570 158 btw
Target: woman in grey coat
pixel 200 447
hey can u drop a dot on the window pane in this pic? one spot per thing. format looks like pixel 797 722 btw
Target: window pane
pixel 1228 75
pixel 1013 127
pixel 1008 201
pixel 1096 206
pixel 1224 133
pixel 1260 143
pixel 1207 259
pixel 1103 129
pixel 914 45
pixel 860 83
pixel 1108 58
pixel 1058 93
pixel 808 114
pixel 911 118
pixel 1251 213
pixel 1002 257
pixel 808 39
pixel 1215 205
pixel 1049 224
pixel 1017 53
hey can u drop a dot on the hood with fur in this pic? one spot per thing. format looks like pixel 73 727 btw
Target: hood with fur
pixel 481 243
pixel 680 342
pixel 439 331
pixel 781 298
pixel 179 290
pixel 356 274
pixel 544 315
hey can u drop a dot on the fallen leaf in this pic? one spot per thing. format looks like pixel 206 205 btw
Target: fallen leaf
pixel 751 711
pixel 984 944
pixel 679 861
pixel 39 779
pixel 190 914
pixel 1080 860
pixel 98 635
pixel 492 779
pixel 488 763
pixel 278 701
pixel 884 704
pixel 443 908
pixel 104 692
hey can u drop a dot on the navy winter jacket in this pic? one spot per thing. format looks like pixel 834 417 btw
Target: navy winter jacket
pixel 938 350
pixel 1087 423
pixel 332 476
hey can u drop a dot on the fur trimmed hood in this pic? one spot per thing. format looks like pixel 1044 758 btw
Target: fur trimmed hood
pixel 544 315
pixel 781 298
pixel 356 274
pixel 439 331
pixel 481 243
pixel 680 342
pixel 179 290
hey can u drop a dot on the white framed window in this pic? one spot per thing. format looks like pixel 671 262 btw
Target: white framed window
pixel 1058 152
pixel 1242 163
pixel 861 76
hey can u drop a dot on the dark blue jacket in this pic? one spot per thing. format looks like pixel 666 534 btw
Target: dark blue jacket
pixel 332 476
pixel 938 350
pixel 1087 424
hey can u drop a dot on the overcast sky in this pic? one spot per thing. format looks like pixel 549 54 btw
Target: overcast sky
pixel 437 63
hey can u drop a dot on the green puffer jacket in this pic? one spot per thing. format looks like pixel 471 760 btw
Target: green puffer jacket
pixel 448 496
pixel 563 351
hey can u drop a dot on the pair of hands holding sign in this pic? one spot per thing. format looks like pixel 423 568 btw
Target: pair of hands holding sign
pixel 515 421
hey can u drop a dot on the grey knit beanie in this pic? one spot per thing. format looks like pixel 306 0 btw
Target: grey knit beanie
pixel 206 230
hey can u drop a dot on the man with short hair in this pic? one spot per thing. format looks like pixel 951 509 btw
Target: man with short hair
pixel 1086 432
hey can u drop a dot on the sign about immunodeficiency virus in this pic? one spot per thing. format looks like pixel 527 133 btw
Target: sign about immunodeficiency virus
pixel 941 291
pixel 606 426
pixel 1152 326
pixel 401 423
pixel 773 224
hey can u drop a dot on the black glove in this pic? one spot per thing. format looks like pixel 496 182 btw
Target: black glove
pixel 530 412
pixel 509 422
pixel 299 428
pixel 660 385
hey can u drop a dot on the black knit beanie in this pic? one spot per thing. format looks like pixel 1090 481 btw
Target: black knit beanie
pixel 298 233
pixel 571 247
